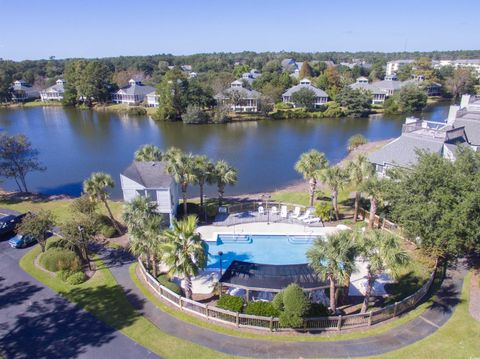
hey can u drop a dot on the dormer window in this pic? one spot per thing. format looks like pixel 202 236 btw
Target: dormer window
pixel 305 82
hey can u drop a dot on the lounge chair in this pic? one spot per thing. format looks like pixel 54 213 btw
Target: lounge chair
pixel 311 220
pixel 283 212
pixel 261 210
pixel 296 212
pixel 305 215
pixel 274 210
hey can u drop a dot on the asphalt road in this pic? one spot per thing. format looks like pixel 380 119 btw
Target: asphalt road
pixel 35 322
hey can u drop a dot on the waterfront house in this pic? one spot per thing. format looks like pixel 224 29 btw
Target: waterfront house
pixel 152 99
pixel 468 63
pixel 149 179
pixel 389 84
pixel 23 91
pixel 467 115
pixel 239 98
pixel 251 76
pixel 394 66
pixel 431 88
pixel 133 94
pixel 432 137
pixel 378 95
pixel 321 97
pixel 55 92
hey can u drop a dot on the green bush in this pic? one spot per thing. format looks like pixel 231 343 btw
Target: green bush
pixel 290 320
pixel 56 259
pixel 105 226
pixel 277 301
pixel 356 141
pixel 230 302
pixel 64 274
pixel 323 210
pixel 195 115
pixel 317 310
pixel 76 278
pixel 136 111
pixel 53 243
pixel 295 306
pixel 164 280
pixel 265 309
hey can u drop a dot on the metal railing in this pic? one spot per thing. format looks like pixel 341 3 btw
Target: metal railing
pixel 272 324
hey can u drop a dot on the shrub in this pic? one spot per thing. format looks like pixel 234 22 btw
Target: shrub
pixel 265 309
pixel 295 306
pixel 323 210
pixel 277 301
pixel 136 111
pixel 64 274
pixel 164 280
pixel 221 114
pixel 317 310
pixel 76 278
pixel 195 115
pixel 282 106
pixel 230 302
pixel 290 320
pixel 57 259
pixel 333 110
pixel 356 141
pixel 105 226
pixel 53 243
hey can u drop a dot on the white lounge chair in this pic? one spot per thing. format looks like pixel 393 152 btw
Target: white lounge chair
pixel 305 215
pixel 274 210
pixel 311 220
pixel 296 212
pixel 283 212
pixel 261 210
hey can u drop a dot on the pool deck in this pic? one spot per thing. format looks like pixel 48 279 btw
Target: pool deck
pixel 209 232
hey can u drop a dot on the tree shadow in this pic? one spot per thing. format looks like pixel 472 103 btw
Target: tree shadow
pixel 16 293
pixel 405 285
pixel 112 258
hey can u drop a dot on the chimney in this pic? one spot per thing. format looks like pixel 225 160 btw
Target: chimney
pixel 452 113
pixel 464 101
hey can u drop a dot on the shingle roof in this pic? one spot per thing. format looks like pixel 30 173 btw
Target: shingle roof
pixel 149 174
pixel 318 92
pixel 246 93
pixel 388 84
pixel 368 87
pixel 472 128
pixel 136 88
pixel 58 87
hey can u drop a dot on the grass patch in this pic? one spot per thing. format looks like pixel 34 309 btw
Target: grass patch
pixel 458 338
pixel 277 337
pixel 104 298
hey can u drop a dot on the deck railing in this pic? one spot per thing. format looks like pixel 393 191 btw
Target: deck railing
pixel 272 324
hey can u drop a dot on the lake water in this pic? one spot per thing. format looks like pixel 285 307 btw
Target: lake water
pixel 73 143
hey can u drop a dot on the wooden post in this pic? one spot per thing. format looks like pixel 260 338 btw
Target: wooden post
pixel 370 319
pixel 181 305
pixel 271 324
pixel 206 311
pixel 339 323
pixel 395 309
pixel 247 295
pixel 237 319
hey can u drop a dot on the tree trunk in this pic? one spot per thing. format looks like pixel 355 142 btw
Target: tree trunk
pixel 346 286
pixel 188 287
pixel 368 292
pixel 18 184
pixel 357 205
pixel 185 205
pixel 85 250
pixel 43 244
pixel 154 266
pixel 335 204
pixel 373 212
pixel 313 185
pixel 333 305
pixel 201 195
pixel 112 219
pixel 220 195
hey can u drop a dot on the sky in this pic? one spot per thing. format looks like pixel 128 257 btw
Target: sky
pixel 33 29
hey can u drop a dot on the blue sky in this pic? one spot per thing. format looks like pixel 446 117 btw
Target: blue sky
pixel 32 29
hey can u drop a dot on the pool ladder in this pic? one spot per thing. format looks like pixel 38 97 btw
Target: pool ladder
pixel 236 238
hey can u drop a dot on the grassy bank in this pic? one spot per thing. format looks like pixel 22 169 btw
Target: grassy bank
pixel 104 298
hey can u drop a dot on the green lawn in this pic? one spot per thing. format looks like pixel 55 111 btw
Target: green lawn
pixel 60 208
pixel 104 298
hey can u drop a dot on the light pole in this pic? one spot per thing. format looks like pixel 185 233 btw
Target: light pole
pixel 85 249
pixel 267 197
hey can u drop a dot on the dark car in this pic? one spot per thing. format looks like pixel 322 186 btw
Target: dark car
pixel 21 241
pixel 8 223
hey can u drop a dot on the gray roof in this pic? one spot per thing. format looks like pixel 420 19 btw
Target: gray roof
pixel 368 87
pixel 149 174
pixel 136 88
pixel 388 85
pixel 471 122
pixel 58 87
pixel 246 93
pixel 318 92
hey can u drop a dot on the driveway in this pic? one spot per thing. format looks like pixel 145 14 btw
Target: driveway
pixel 35 322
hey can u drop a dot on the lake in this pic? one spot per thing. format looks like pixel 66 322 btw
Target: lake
pixel 73 143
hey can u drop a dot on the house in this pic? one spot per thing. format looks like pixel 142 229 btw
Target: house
pixel 152 99
pixel 239 98
pixel 389 84
pixel 432 137
pixel 468 63
pixel 431 88
pixel 394 66
pixel 467 115
pixel 133 94
pixel 378 95
pixel 53 93
pixel 321 97
pixel 150 179
pixel 251 76
pixel 23 91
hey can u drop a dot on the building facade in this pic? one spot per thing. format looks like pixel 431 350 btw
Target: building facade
pixel 378 95
pixel 239 98
pixel 133 94
pixel 54 93
pixel 394 66
pixel 22 91
pixel 321 97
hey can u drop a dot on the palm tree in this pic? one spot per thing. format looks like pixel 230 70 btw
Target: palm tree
pixel 308 166
pixel 154 240
pixel 148 153
pixel 96 187
pixel 383 252
pixel 137 212
pixel 359 170
pixel 374 189
pixel 333 259
pixel 184 252
pixel 181 167
pixel 224 174
pixel 204 170
pixel 335 178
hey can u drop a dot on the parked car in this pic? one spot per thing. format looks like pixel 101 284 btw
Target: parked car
pixel 21 241
pixel 8 223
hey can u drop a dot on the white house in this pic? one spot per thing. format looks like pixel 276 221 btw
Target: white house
pixel 133 94
pixel 469 63
pixel 394 66
pixel 55 92
pixel 321 97
pixel 378 95
pixel 149 179
pixel 23 91
pixel 389 84
pixel 152 99
pixel 239 98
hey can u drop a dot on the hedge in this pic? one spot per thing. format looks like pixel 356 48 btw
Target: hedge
pixel 56 259
pixel 76 278
pixel 164 280
pixel 230 302
pixel 264 309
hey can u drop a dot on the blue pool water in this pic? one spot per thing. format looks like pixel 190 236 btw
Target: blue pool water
pixel 265 249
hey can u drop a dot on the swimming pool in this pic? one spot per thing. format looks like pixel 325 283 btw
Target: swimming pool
pixel 265 249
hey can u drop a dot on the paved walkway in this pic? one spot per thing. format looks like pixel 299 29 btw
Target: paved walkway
pixel 433 318
pixel 36 322
pixel 474 304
